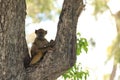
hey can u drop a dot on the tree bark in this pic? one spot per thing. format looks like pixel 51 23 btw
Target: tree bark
pixel 13 46
pixel 117 20
pixel 112 76
pixel 12 39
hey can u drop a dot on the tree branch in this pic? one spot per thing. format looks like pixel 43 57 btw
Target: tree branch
pixel 63 56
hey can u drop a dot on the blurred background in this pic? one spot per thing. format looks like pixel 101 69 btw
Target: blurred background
pixel 99 23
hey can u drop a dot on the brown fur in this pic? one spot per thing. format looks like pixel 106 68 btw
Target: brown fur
pixel 40 46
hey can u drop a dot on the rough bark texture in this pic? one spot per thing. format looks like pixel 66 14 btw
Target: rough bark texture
pixel 12 39
pixel 13 45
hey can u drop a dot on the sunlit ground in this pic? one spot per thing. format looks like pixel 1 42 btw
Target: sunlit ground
pixel 103 32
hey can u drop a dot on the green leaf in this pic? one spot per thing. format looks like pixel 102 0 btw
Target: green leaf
pixel 82 44
pixel 76 72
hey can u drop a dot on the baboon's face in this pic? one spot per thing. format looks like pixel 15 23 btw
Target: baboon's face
pixel 40 33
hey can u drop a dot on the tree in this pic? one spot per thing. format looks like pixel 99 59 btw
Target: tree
pixel 12 39
pixel 114 50
pixel 76 72
pixel 13 47
pixel 41 9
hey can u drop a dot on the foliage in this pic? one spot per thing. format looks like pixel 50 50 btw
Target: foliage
pixel 76 72
pixel 81 44
pixel 41 9
pixel 114 50
pixel 99 6
pixel 92 42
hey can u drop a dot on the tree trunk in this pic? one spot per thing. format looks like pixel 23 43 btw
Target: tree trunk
pixel 12 39
pixel 117 20
pixel 13 46
pixel 112 76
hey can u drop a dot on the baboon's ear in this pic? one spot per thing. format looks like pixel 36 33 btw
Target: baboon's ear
pixel 45 32
pixel 35 31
